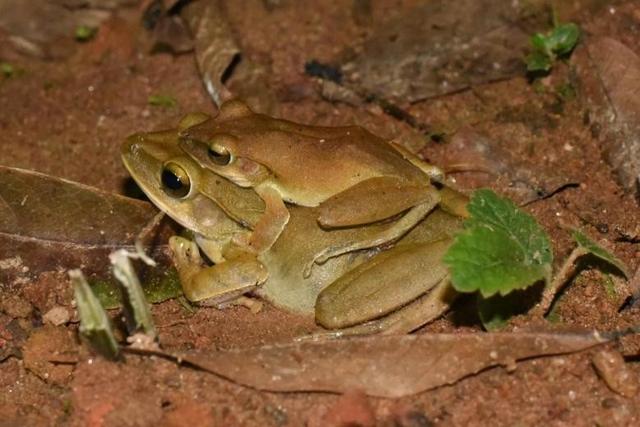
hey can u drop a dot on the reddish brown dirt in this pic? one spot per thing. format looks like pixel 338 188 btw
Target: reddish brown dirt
pixel 68 118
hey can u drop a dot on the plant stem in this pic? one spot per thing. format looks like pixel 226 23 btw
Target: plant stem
pixel 567 270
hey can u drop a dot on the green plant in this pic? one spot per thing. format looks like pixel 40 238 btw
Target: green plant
pixel 503 249
pixel 166 101
pixel 84 33
pixel 547 48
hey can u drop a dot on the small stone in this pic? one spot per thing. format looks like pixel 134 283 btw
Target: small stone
pixel 57 316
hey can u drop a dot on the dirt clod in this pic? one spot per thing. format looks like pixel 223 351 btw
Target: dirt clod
pixel 613 370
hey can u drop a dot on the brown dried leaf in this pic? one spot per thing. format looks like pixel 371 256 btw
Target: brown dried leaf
pixel 610 75
pixel 218 57
pixel 52 223
pixel 384 366
pixel 440 47
pixel 46 28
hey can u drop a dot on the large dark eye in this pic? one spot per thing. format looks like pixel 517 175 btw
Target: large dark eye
pixel 219 154
pixel 175 181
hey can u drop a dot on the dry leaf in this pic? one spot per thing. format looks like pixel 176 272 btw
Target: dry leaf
pixel 51 223
pixel 440 47
pixel 610 77
pixel 219 58
pixel 383 366
pixel 46 28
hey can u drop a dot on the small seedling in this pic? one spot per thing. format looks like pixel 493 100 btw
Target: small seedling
pixel 166 101
pixel 7 70
pixel 547 48
pixel 84 33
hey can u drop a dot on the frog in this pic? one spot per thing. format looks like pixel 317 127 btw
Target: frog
pixel 385 287
pixel 352 176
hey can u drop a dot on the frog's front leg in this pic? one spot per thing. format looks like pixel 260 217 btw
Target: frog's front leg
pixel 219 283
pixel 400 282
pixel 270 226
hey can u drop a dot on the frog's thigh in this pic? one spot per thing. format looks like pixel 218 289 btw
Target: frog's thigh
pixel 275 218
pixel 423 310
pixel 373 200
pixel 218 283
pixel 383 284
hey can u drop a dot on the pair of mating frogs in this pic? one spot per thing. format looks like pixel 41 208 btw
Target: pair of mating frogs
pixel 331 221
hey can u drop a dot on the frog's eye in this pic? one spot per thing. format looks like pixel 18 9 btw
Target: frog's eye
pixel 175 180
pixel 219 154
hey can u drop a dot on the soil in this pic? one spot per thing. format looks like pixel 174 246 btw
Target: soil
pixel 67 118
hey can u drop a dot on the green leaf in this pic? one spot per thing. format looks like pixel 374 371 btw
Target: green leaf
pixel 166 101
pixel 538 61
pixel 501 249
pixel 598 251
pixel 563 38
pixel 539 43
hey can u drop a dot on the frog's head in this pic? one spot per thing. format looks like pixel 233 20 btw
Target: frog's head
pixel 229 144
pixel 173 181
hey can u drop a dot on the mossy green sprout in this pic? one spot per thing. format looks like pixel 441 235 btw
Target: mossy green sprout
pixel 160 100
pixel 84 33
pixel 547 48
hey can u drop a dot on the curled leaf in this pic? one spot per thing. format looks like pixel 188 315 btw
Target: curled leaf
pixel 598 251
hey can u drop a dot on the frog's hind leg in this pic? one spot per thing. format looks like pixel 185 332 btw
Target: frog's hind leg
pixel 383 285
pixel 418 313
pixel 373 200
pixel 377 237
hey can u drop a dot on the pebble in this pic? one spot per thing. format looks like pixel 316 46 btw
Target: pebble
pixel 57 316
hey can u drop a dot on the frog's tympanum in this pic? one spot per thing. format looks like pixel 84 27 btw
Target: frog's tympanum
pixel 352 176
pixel 361 277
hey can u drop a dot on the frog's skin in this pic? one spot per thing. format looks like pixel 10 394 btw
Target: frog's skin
pixel 393 288
pixel 351 175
